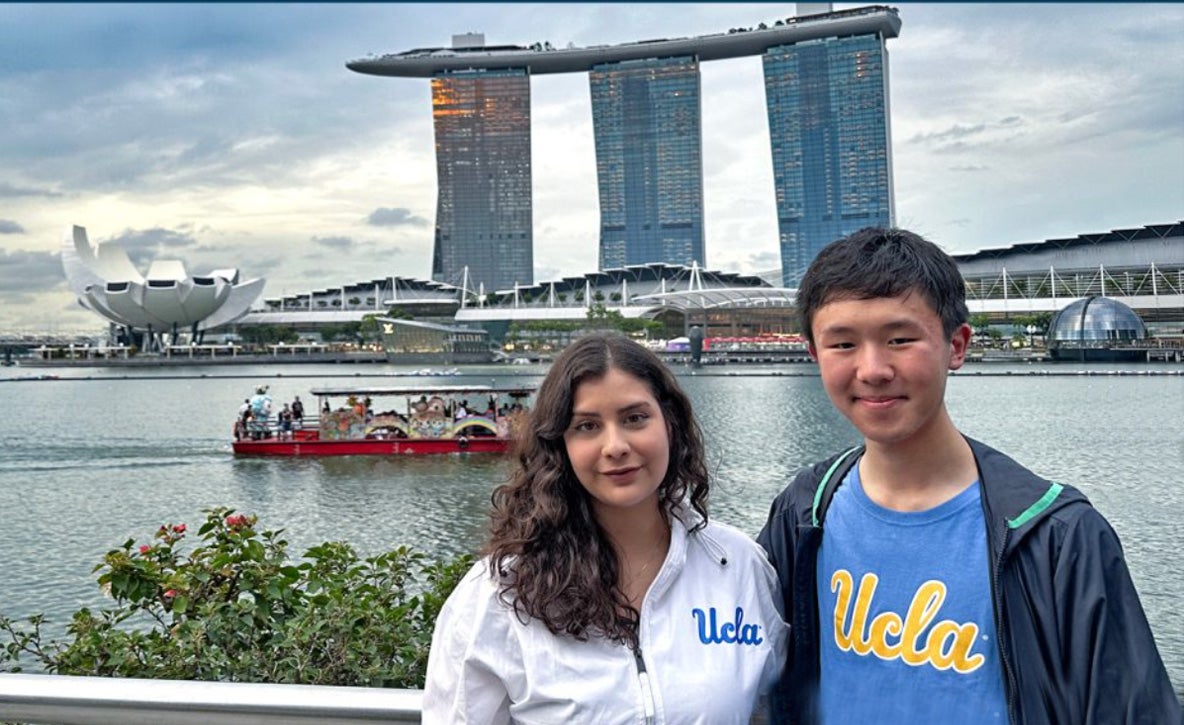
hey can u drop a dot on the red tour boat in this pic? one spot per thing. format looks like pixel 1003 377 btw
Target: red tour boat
pixel 416 420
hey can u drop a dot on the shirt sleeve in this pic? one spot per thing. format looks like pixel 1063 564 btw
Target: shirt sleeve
pixel 778 630
pixel 465 683
pixel 776 538
pixel 1107 633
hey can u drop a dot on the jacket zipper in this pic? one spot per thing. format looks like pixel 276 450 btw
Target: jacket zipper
pixel 1000 634
pixel 647 694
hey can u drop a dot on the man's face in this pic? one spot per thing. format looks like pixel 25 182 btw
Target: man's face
pixel 884 362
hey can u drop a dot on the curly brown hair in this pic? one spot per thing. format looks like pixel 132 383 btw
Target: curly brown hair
pixel 554 561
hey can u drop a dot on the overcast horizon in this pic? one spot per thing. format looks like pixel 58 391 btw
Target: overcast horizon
pixel 230 135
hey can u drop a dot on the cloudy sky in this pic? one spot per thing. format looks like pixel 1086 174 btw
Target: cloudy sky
pixel 233 135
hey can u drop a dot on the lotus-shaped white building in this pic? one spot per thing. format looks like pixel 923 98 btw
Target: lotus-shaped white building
pixel 166 300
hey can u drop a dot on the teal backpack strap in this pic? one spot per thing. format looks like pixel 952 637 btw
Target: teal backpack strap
pixel 830 481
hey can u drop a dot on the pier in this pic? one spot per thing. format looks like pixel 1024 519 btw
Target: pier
pixel 1165 354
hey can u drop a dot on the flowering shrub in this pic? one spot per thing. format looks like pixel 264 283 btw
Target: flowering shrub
pixel 234 608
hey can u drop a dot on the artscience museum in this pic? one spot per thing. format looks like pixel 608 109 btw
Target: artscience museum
pixel 156 308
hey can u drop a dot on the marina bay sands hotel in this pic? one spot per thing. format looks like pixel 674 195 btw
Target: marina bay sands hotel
pixel 826 91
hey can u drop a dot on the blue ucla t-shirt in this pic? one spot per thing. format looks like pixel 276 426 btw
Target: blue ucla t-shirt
pixel 907 632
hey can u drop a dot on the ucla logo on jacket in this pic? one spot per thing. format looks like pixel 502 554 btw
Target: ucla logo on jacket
pixel 711 631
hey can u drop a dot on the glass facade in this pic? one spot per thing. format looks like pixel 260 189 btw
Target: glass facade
pixel 1094 320
pixel 649 161
pixel 409 341
pixel 827 102
pixel 483 211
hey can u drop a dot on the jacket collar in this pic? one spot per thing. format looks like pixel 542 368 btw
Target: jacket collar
pixel 682 538
pixel 1015 500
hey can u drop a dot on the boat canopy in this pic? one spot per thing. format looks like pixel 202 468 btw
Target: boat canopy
pixel 517 390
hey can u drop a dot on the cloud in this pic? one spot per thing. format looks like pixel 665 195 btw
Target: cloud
pixel 249 268
pixel 193 121
pixel 229 116
pixel 22 271
pixel 395 216
pixel 955 135
pixel 764 260
pixel 335 243
pixel 144 245
pixel 8 191
pixel 7 226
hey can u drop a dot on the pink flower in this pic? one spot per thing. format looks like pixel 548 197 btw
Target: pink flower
pixel 179 529
pixel 236 520
pixel 170 594
pixel 144 549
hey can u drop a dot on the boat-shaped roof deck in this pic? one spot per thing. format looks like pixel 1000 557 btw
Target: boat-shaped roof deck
pixel 538 59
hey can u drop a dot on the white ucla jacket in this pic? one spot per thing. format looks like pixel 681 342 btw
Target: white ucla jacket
pixel 712 642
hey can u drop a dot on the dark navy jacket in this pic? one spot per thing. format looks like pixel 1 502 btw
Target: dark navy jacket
pixel 1073 640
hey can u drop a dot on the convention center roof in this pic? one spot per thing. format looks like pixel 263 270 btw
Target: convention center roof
pixel 1116 236
pixel 720 298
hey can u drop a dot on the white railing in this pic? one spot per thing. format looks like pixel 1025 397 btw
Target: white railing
pixel 66 700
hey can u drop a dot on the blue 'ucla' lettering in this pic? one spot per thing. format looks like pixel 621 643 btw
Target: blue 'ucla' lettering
pixel 734 632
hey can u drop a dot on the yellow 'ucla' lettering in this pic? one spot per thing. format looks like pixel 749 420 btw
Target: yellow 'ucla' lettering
pixel 888 636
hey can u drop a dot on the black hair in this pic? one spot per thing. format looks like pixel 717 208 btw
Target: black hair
pixel 876 262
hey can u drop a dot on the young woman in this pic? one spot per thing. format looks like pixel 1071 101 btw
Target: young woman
pixel 606 595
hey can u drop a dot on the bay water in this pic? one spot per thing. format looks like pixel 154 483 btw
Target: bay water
pixel 100 455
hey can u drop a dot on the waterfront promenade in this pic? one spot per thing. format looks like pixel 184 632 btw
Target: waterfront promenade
pixel 1169 351
pixel 186 355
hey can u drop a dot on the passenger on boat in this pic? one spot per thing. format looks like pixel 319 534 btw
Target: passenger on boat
pixel 600 547
pixel 242 420
pixel 297 413
pixel 285 421
pixel 260 413
pixel 356 405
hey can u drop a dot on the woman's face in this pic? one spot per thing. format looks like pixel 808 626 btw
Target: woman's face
pixel 617 442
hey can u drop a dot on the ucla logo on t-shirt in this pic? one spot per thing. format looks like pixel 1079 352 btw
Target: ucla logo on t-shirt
pixel 944 645
pixel 733 632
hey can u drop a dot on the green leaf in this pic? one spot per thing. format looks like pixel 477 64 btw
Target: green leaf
pixel 249 615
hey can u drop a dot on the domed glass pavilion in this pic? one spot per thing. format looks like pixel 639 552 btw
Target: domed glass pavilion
pixel 1095 328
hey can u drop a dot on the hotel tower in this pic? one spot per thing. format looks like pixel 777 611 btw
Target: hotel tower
pixel 826 92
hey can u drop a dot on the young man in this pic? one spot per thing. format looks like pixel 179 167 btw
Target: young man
pixel 927 577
